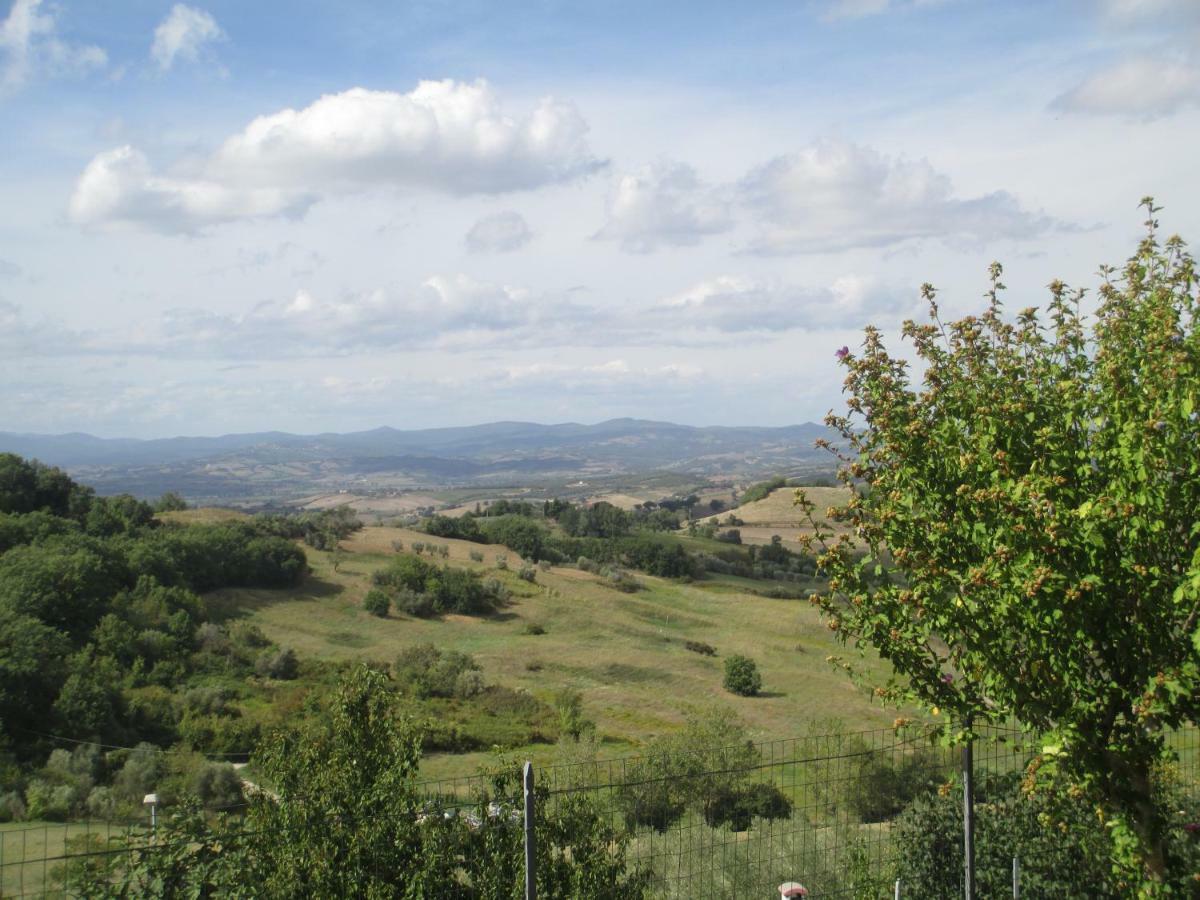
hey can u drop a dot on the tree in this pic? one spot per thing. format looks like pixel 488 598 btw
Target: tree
pixel 377 602
pixel 170 502
pixel 742 676
pixel 1026 514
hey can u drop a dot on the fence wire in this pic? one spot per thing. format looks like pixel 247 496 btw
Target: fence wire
pixel 727 823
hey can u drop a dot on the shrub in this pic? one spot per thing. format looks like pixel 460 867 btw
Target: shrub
pixel 572 723
pixel 737 806
pixel 700 647
pixel 282 665
pixel 476 555
pixel 218 786
pixel 622 581
pixel 527 573
pixel 377 603
pixel 741 676
pixel 533 628
pixel 501 561
pixel 427 671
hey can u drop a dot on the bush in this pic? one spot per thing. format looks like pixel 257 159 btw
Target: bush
pixel 501 561
pixel 476 555
pixel 738 806
pixel 881 784
pixel 700 647
pixel 282 665
pixel 426 671
pixel 533 628
pixel 741 676
pixel 218 786
pixel 377 603
pixel 527 573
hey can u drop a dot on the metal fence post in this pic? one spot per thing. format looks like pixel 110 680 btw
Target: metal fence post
pixel 897 889
pixel 530 845
pixel 1016 878
pixel 968 766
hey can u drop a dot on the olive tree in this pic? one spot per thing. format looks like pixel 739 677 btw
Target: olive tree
pixel 1023 531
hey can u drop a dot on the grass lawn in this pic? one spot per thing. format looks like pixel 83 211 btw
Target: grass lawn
pixel 624 652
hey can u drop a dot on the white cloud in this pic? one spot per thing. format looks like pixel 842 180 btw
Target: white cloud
pixel 445 136
pixel 503 232
pixel 730 303
pixel 30 46
pixel 836 195
pixel 663 205
pixel 183 34
pixel 615 373
pixel 9 269
pixel 1141 88
pixel 118 188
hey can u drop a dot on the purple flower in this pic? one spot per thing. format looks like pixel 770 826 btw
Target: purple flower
pixel 843 353
pixel 1192 827
pixel 947 678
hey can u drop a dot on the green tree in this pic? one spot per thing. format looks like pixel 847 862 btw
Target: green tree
pixel 742 676
pixel 347 824
pixel 1027 517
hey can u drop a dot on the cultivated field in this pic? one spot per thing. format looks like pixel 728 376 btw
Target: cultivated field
pixel 778 514
pixel 624 652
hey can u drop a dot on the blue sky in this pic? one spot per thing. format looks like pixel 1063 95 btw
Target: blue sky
pixel 222 216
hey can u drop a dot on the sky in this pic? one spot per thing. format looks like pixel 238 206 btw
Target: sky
pixel 227 217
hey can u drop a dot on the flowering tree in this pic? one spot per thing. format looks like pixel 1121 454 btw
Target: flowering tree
pixel 1026 521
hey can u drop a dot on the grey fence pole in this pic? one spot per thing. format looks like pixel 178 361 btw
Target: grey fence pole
pixel 968 767
pixel 1016 878
pixel 530 840
pixel 897 889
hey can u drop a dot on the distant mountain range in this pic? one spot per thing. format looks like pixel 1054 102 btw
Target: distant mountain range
pixel 277 464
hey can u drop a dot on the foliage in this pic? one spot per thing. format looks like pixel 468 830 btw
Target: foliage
pixel 426 671
pixel 464 528
pixel 700 647
pixel 1027 512
pixel 742 676
pixel 377 602
pixel 707 766
pixel 422 589
pixel 1063 848
pixel 572 722
pixel 348 822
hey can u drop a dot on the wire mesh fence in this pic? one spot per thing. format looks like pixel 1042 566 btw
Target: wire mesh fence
pixel 725 822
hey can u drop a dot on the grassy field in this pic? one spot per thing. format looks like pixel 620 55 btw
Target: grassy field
pixel 31 853
pixel 208 515
pixel 624 652
pixel 778 514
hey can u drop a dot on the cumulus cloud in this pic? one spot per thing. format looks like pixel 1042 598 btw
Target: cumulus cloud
pixel 835 195
pixel 119 188
pixel 183 34
pixel 663 205
pixel 1143 88
pixel 503 232
pixel 30 46
pixel 445 136
pixel 730 303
